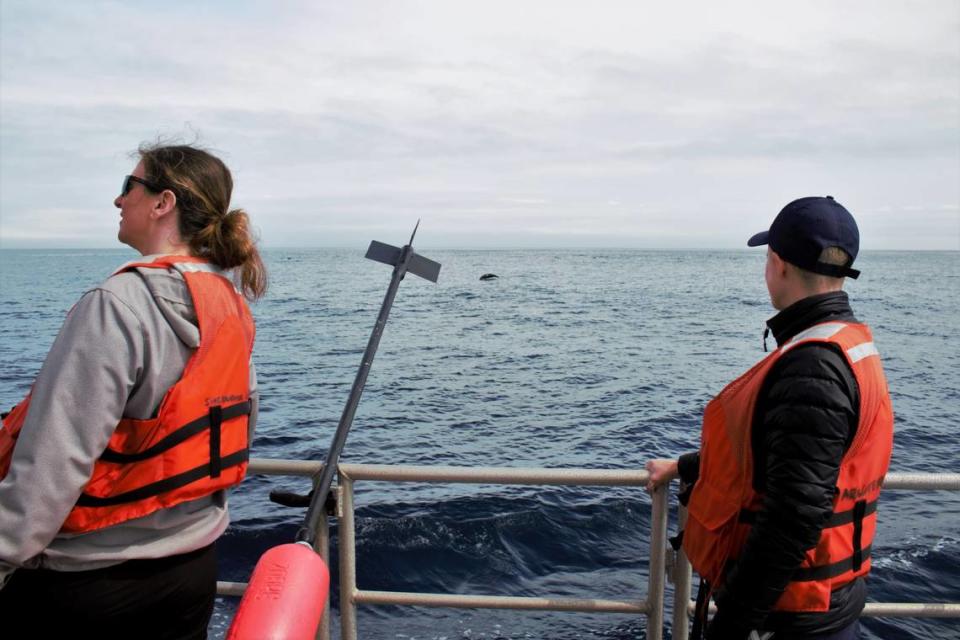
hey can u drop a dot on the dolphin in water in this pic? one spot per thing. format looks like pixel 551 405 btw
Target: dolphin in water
pixel 489 276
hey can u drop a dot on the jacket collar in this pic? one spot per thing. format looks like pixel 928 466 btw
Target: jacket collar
pixel 805 313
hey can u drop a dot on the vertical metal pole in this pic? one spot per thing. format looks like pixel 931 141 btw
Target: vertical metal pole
pixel 681 584
pixel 323 479
pixel 322 546
pixel 658 553
pixel 348 566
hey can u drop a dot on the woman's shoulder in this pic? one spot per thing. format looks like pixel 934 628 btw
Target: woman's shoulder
pixel 141 283
pixel 133 292
pixel 160 297
pixel 126 286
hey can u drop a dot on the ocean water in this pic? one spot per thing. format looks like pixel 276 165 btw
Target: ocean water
pixel 597 359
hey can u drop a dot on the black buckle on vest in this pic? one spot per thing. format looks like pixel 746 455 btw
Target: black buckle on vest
pixel 165 485
pixel 859 510
pixel 180 435
pixel 216 419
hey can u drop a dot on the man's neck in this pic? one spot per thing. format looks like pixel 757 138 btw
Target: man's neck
pixel 809 311
pixel 800 291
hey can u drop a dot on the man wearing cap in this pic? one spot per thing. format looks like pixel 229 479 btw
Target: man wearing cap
pixel 782 495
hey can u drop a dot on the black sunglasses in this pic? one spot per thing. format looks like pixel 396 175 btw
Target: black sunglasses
pixel 128 184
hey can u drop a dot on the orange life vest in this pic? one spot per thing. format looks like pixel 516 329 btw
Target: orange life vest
pixel 723 498
pixel 198 443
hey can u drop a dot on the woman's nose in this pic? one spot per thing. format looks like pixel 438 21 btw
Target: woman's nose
pixel 116 201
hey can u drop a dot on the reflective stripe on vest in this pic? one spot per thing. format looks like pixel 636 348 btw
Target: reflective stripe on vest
pixel 816 332
pixel 723 500
pixel 861 351
pixel 197 267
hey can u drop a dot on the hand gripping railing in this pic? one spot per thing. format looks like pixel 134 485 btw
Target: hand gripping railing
pixel 663 561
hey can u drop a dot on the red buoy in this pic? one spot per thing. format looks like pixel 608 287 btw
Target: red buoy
pixel 285 597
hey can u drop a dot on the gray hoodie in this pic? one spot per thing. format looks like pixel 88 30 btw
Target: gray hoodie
pixel 121 347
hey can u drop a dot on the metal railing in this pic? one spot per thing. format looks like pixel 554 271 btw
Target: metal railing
pixel 663 561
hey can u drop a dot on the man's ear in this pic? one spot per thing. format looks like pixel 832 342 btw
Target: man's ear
pixel 779 265
pixel 165 204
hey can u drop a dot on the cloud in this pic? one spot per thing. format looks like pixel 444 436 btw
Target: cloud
pixel 341 118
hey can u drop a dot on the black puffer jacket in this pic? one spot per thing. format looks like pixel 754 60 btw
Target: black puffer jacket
pixel 805 419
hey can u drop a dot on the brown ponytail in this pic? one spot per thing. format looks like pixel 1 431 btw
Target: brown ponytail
pixel 203 186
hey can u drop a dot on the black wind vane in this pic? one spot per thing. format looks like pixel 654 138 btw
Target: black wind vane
pixel 289 586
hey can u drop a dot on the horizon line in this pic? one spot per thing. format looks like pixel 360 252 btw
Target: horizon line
pixel 438 247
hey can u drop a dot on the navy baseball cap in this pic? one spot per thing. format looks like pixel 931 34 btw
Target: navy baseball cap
pixel 807 226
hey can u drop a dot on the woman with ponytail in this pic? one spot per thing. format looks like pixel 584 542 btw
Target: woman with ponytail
pixel 114 468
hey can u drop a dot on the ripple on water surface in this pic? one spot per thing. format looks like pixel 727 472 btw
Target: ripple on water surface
pixel 597 359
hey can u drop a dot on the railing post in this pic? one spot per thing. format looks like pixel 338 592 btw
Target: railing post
pixel 681 584
pixel 348 560
pixel 658 553
pixel 322 546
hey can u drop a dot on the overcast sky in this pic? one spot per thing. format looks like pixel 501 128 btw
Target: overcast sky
pixel 501 124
